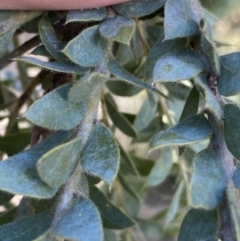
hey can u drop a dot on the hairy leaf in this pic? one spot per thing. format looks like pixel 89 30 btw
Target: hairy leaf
pixel 210 102
pixel 208 181
pixel 101 155
pixel 85 222
pixel 118 28
pixel 209 48
pixel 26 229
pixel 160 49
pixel 111 216
pixel 231 129
pixel 50 40
pixel 55 166
pixel 204 228
pixel 123 74
pixel 228 80
pixel 61 67
pixel 5 41
pixel 188 131
pixel 139 8
pixel 88 48
pixel 41 50
pixel 182 18
pixel 161 168
pixel 14 143
pixel 236 177
pixel 178 65
pixel 18 173
pixel 15 19
pixel 86 15
pixel 122 88
pixel 54 111
pixel 83 88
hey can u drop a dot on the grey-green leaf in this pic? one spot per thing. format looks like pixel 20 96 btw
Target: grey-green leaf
pixel 145 115
pixel 101 155
pixel 160 49
pixel 118 28
pixel 208 181
pixel 228 80
pixel 50 40
pixel 139 8
pixel 62 67
pixel 232 128
pixel 15 19
pixel 182 18
pixel 41 50
pixel 119 120
pixel 123 74
pixel 188 131
pixel 18 174
pixel 179 65
pixel 85 222
pixel 55 166
pixel 5 41
pixel 236 177
pixel 204 228
pixel 161 168
pixel 111 216
pixel 26 229
pixel 210 101
pixel 88 48
pixel 82 89
pixel 55 112
pixel 86 15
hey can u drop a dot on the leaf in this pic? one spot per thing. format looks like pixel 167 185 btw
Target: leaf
pixel 61 67
pixel 50 40
pixel 41 50
pixel 182 18
pixel 161 168
pixel 110 235
pixel 233 197
pixel 111 216
pixel 188 131
pixel 210 101
pixel 18 173
pixel 26 229
pixel 101 156
pixel 123 74
pixel 83 88
pixel 88 48
pixel 139 8
pixel 14 143
pixel 86 15
pixel 204 228
pixel 179 65
pixel 55 166
pixel 208 47
pixel 15 19
pixel 191 105
pixel 236 177
pixel 175 203
pixel 122 88
pixel 145 115
pixel 55 112
pixel 231 128
pixel 208 181
pixel 228 80
pixel 5 41
pixel 119 120
pixel 85 222
pixel 160 49
pixel 118 28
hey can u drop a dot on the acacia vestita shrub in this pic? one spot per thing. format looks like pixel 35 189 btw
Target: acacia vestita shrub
pixel 161 50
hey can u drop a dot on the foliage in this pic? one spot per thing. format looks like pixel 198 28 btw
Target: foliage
pixel 79 158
